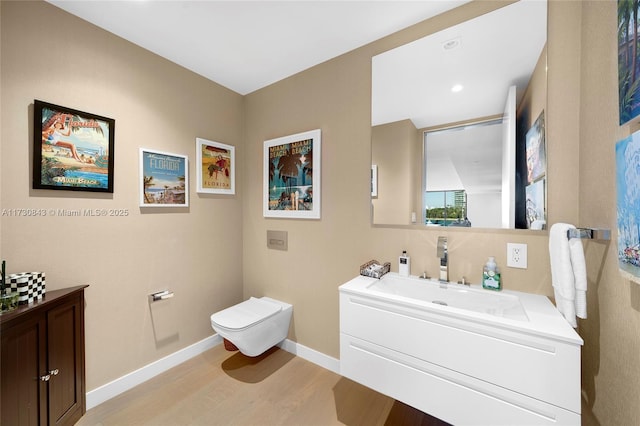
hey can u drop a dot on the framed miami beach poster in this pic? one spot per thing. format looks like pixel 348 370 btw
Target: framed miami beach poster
pixel 72 150
pixel 292 176
pixel 164 180
pixel 215 167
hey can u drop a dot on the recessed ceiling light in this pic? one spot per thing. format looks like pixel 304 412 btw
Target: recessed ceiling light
pixel 451 44
pixel 457 88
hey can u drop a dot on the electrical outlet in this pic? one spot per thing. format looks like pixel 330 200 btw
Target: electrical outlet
pixel 517 255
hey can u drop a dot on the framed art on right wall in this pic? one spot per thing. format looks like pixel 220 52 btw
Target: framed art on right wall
pixel 628 69
pixel 628 206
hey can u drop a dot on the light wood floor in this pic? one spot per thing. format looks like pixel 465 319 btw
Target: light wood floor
pixel 277 388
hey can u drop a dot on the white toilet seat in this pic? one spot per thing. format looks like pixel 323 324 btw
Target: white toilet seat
pixel 245 314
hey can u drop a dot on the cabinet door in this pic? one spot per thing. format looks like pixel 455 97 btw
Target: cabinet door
pixel 23 361
pixel 65 363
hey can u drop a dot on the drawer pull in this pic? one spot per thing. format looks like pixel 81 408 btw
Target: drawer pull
pixel 54 372
pixel 45 378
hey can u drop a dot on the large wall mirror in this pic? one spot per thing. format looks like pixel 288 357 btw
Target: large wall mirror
pixel 458 124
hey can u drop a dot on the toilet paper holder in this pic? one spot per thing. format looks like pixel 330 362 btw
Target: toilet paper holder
pixel 160 295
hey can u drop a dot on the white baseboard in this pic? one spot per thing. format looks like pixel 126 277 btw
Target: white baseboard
pixel 325 361
pixel 128 381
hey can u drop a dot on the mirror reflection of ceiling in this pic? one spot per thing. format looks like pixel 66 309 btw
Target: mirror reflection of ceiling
pixel 468 157
pixel 485 55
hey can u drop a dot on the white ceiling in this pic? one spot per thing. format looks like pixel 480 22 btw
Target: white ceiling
pixel 247 45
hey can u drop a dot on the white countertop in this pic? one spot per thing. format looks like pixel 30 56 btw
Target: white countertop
pixel 544 319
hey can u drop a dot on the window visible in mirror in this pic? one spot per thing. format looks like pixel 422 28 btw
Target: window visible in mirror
pixel 446 208
pixel 467 159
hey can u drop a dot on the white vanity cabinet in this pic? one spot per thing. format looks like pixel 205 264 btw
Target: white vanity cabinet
pixel 462 367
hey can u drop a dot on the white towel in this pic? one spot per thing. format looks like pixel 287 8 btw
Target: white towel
pixel 579 267
pixel 568 273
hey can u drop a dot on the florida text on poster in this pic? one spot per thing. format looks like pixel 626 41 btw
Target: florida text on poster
pixel 74 150
pixel 164 178
pixel 216 167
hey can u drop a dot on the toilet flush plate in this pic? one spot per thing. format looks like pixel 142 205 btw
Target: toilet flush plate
pixel 277 240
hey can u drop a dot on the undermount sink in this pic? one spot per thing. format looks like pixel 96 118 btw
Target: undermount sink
pixel 452 295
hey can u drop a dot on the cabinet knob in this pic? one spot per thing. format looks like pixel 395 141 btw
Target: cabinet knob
pixel 54 372
pixel 45 378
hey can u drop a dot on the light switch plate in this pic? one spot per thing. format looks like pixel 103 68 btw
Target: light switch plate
pixel 517 255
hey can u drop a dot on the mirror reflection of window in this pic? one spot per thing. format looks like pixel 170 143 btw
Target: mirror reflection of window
pixel 446 208
pixel 466 159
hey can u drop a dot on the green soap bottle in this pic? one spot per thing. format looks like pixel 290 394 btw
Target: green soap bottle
pixel 491 275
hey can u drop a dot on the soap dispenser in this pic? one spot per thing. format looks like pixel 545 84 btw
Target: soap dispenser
pixel 404 264
pixel 491 275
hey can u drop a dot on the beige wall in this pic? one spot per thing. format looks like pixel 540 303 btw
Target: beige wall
pixel 161 105
pixel 611 355
pixel 50 55
pixel 534 99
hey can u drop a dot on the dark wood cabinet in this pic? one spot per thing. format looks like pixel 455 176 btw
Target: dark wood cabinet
pixel 42 379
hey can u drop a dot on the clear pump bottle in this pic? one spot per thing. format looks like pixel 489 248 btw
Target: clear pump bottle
pixel 491 275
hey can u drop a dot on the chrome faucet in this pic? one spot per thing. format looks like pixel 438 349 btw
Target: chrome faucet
pixel 442 253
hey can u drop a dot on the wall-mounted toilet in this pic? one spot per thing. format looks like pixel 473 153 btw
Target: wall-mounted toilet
pixel 254 325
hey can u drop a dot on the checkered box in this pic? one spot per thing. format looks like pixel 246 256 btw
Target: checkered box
pixel 29 285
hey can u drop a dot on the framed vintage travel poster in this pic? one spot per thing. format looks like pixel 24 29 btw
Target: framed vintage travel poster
pixel 628 206
pixel 535 204
pixel 215 167
pixel 628 72
pixel 72 150
pixel 164 180
pixel 536 151
pixel 292 176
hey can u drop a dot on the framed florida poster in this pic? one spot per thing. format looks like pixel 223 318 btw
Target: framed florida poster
pixel 292 176
pixel 215 167
pixel 164 180
pixel 72 150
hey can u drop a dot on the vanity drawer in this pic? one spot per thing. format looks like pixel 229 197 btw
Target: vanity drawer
pixel 438 391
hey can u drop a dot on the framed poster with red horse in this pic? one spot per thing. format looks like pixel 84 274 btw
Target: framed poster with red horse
pixel 215 167
pixel 72 150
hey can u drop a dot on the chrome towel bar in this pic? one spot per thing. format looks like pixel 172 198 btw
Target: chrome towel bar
pixel 589 234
